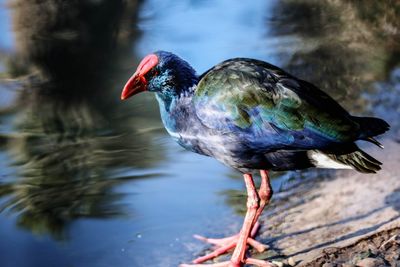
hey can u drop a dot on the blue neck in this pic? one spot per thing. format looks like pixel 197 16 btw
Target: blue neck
pixel 184 85
pixel 173 108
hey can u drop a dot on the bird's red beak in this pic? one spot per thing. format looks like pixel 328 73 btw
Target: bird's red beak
pixel 137 83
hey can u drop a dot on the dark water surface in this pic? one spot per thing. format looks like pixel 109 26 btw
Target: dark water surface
pixel 87 180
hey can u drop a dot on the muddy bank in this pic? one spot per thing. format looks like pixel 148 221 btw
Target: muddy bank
pixel 379 249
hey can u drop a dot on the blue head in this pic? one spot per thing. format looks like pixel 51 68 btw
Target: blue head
pixel 163 73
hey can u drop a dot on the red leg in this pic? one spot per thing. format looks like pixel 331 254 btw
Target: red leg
pixel 252 205
pixel 255 205
pixel 265 193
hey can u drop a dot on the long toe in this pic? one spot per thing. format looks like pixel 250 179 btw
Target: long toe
pixel 228 245
pixel 250 261
pixel 219 264
pixel 227 241
pixel 217 252
pixel 219 242
pixel 260 263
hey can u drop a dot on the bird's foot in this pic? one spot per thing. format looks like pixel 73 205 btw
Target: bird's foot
pixel 250 261
pixel 223 245
pixel 228 241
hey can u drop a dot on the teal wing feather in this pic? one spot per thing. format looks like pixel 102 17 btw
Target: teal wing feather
pixel 265 104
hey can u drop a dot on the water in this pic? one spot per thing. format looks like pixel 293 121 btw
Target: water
pixel 87 180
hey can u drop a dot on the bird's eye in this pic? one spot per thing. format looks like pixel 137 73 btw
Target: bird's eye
pixel 151 73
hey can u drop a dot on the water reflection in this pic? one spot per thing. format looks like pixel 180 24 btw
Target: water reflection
pixel 344 46
pixel 70 134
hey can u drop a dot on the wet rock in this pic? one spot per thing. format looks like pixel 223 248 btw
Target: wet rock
pixel 277 263
pixel 291 261
pixel 371 262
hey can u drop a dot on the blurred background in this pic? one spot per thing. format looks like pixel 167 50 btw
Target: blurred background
pixel 88 180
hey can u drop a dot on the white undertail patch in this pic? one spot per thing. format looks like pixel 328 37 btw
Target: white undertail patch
pixel 321 160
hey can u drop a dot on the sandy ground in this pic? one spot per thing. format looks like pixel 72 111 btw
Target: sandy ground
pixel 315 221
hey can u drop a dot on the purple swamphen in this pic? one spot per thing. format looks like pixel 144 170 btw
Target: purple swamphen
pixel 251 115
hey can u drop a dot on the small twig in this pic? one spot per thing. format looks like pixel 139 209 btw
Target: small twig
pixel 390 240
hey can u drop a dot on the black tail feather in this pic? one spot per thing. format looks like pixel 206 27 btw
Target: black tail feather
pixel 370 127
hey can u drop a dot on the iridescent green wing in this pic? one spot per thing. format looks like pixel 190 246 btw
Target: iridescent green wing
pixel 254 96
